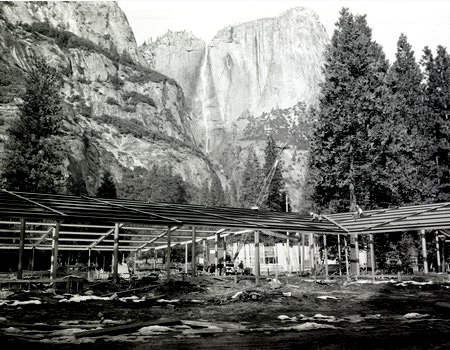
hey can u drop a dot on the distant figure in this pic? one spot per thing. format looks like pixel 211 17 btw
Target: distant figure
pixel 399 265
pixel 358 213
pixel 315 217
pixel 220 268
pixel 241 267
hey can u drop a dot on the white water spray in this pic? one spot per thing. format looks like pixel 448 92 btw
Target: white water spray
pixel 203 79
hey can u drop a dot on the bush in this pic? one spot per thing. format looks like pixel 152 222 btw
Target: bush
pixel 85 110
pixel 112 101
pixel 116 82
pixel 146 74
pixel 129 109
pixel 65 39
pixel 134 97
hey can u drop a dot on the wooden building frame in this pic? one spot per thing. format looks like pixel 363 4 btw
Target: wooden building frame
pixel 82 223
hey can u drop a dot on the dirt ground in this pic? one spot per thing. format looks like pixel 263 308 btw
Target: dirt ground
pixel 216 313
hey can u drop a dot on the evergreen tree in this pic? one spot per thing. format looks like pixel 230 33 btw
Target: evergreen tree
pixel 349 142
pixel 276 197
pixel 250 187
pixel 437 90
pixel 408 172
pixel 166 187
pixel 33 154
pixel 75 184
pixel 232 197
pixel 107 188
pixel 216 193
pixel 160 184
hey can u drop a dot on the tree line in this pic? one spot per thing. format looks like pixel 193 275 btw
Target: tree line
pixel 381 132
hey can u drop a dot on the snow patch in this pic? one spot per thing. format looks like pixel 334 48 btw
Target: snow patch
pixel 415 315
pixel 79 298
pixel 310 325
pixel 154 329
pixel 325 297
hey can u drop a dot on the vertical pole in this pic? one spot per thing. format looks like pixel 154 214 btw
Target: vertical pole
pixel 205 251
pixel 444 266
pixel 116 254
pixel 424 251
pixel 216 253
pixel 346 259
pixel 325 253
pixel 438 253
pixel 357 254
pixel 339 253
pixel 54 260
pixel 353 258
pixel 194 266
pixel 302 263
pixel 21 249
pixel 257 270
pixel 89 263
pixel 168 253
pixel 32 260
pixel 225 253
pixel 288 256
pixel 311 252
pixel 276 260
pixel 186 258
pixel 372 256
pixel 316 255
pixel 135 261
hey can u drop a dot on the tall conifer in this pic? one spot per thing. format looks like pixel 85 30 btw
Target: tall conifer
pixel 276 197
pixel 250 181
pixel 437 72
pixel 349 141
pixel 33 159
pixel 408 171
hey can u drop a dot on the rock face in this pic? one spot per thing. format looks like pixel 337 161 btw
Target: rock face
pixel 271 63
pixel 248 70
pixel 119 113
pixel 180 55
pixel 101 22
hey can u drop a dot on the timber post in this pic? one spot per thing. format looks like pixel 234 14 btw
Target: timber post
pixel 194 265
pixel 424 251
pixel 116 254
pixel 21 249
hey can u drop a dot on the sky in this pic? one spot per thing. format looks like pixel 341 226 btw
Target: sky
pixel 425 23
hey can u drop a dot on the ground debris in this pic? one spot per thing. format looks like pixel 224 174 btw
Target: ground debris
pixel 127 328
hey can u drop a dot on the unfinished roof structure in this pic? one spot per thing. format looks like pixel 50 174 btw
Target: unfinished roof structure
pixel 82 223
pixel 89 223
pixel 407 218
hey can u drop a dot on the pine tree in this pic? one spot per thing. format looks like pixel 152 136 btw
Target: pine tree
pixel 437 90
pixel 250 181
pixel 408 171
pixel 166 186
pixel 33 154
pixel 349 140
pixel 216 193
pixel 276 197
pixel 107 188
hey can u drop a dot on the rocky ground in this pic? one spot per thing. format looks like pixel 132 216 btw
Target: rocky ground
pixel 215 312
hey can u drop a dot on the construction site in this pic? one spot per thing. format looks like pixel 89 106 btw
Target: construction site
pixel 111 273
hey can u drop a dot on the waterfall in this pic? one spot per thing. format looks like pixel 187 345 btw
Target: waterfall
pixel 203 79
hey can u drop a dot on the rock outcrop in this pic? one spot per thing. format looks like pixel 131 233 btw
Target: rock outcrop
pixel 264 66
pixel 119 114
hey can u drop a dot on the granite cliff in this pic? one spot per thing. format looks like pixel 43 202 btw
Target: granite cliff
pixel 119 114
pixel 263 74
